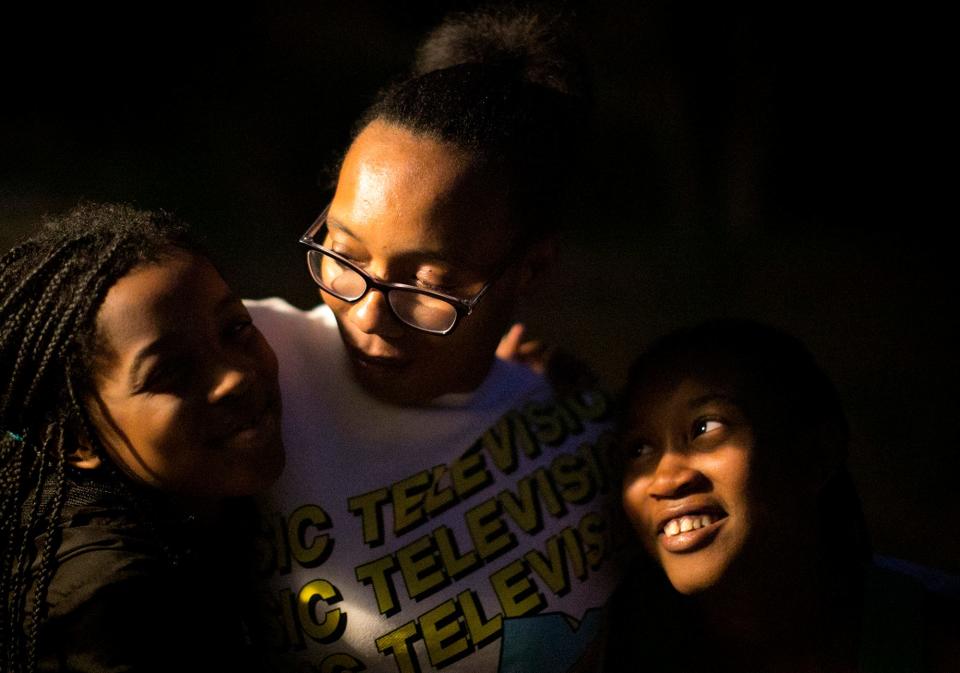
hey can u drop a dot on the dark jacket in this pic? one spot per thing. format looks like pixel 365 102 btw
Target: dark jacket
pixel 138 587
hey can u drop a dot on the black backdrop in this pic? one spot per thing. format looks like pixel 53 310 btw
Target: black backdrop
pixel 781 165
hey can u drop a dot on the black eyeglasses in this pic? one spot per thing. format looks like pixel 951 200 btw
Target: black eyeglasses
pixel 425 310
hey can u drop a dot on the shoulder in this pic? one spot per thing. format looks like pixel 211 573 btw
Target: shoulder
pixel 933 581
pixel 101 547
pixel 137 619
pixel 116 600
pixel 912 611
pixel 291 330
pixel 109 585
pixel 275 313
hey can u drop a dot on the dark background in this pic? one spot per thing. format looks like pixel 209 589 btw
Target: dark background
pixel 776 164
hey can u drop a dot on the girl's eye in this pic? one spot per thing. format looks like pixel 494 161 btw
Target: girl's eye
pixel 167 376
pixel 645 451
pixel 704 425
pixel 241 326
pixel 639 449
pixel 237 325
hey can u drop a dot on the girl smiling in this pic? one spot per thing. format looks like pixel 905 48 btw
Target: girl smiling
pixel 136 399
pixel 736 486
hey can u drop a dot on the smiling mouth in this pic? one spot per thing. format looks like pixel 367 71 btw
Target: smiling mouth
pixel 256 430
pixel 691 531
pixel 689 522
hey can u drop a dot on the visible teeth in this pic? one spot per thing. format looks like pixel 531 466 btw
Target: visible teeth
pixel 685 524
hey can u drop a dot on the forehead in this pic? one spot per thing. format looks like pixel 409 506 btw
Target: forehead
pixel 400 189
pixel 665 395
pixel 159 297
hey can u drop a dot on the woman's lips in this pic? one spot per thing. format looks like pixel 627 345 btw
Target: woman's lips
pixel 262 431
pixel 259 430
pixel 376 361
pixel 690 531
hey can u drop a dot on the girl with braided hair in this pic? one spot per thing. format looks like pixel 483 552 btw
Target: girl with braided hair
pixel 137 401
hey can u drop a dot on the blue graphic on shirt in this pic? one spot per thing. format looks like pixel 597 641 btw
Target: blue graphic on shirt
pixel 546 642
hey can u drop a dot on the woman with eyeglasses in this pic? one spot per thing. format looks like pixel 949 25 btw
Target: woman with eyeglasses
pixel 441 508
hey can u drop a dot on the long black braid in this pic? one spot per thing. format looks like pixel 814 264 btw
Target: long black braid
pixel 51 288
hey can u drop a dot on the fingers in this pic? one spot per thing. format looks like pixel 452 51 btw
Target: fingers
pixel 509 346
pixel 530 353
pixel 564 371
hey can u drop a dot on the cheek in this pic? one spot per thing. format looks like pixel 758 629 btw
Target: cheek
pixel 153 436
pixel 475 339
pixel 633 501
pixel 731 472
pixel 340 310
pixel 740 479
pixel 734 478
pixel 338 307
pixel 265 358
pixel 446 353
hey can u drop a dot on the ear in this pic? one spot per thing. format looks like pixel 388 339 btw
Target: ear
pixel 84 458
pixel 539 258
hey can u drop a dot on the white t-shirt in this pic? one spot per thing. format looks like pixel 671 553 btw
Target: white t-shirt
pixel 467 535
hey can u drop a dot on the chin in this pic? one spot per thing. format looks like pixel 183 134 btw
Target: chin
pixel 692 576
pixel 397 394
pixel 392 387
pixel 257 475
pixel 691 584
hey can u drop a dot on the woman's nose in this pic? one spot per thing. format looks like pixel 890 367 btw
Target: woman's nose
pixel 230 381
pixel 675 477
pixel 372 315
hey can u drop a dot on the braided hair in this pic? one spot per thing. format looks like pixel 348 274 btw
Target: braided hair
pixel 51 288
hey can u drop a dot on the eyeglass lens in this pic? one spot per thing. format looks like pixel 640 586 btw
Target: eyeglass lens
pixel 415 309
pixel 336 277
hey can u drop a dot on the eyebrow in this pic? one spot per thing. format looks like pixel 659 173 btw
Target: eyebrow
pixel 415 256
pixel 340 226
pixel 704 400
